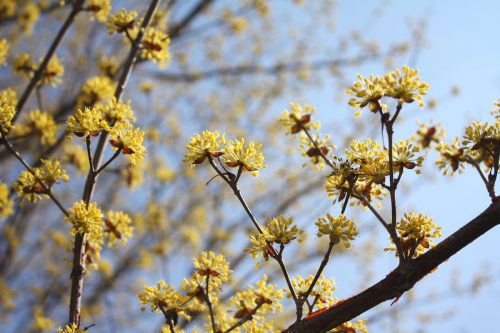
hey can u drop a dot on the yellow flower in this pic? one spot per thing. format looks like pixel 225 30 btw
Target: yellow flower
pixel 215 266
pixel 8 7
pixel 86 219
pixel 282 230
pixel 8 101
pixel 338 229
pixel 87 122
pixel 164 297
pixel 28 17
pixel 109 66
pixel 482 140
pixel 155 46
pixel 404 156
pixel 5 203
pixel 367 91
pixel 53 73
pixel 298 118
pixel 405 86
pixel 95 90
pixel 101 8
pixel 129 140
pixel 428 134
pixel 238 154
pixel 121 21
pixel 40 321
pixel 308 149
pixel 237 24
pixel 41 123
pixel 452 157
pixel 200 146
pixel 72 328
pixel 266 296
pixel 114 111
pixel 24 65
pixel 4 50
pixel 415 232
pixel 28 185
pixel 118 226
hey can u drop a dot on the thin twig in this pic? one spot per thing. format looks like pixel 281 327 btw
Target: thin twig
pixel 209 303
pixel 327 161
pixel 489 188
pixel 30 169
pixel 77 7
pixel 322 266
pixel 246 318
pixel 111 159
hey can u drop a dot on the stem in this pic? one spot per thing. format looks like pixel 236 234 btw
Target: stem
pixel 39 97
pixel 327 161
pixel 209 303
pixel 77 7
pixel 246 318
pixel 324 262
pixel 77 275
pixel 89 154
pixel 279 259
pixel 392 189
pixel 112 158
pixel 30 169
pixel 489 187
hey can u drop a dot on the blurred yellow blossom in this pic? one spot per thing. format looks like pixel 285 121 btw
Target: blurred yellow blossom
pixel 40 123
pixel 121 21
pixel 4 50
pixel 5 204
pixel 8 101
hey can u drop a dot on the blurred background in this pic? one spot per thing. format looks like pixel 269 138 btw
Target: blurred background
pixel 235 66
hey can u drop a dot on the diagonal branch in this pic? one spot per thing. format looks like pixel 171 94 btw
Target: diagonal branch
pixel 401 279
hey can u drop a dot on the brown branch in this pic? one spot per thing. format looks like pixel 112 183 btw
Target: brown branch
pixel 401 279
pixel 78 270
pixel 77 7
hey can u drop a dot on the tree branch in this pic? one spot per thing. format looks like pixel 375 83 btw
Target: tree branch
pixel 401 279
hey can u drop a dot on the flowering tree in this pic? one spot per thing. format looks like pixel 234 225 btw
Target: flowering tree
pixel 70 164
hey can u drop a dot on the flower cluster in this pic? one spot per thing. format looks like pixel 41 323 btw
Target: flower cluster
pixel 95 90
pixel 28 185
pixel 452 157
pixel 121 21
pixel 154 46
pixel 415 233
pixel 235 153
pixel 4 50
pixel 428 134
pixel 321 293
pixel 5 204
pixel 279 230
pixel 87 122
pixel 26 67
pixel 8 101
pixel 298 118
pixel 405 156
pixel 403 85
pixel 265 298
pixel 338 229
pixel 114 118
pixel 40 123
pixel 118 226
pixel 70 328
pixel 101 8
pixel 163 297
pixel 86 219
pixel 481 141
